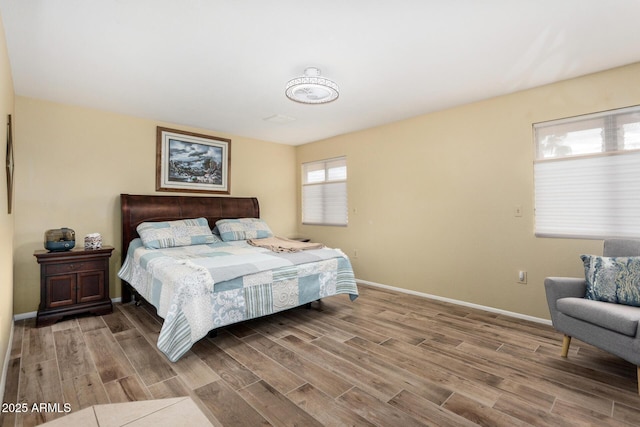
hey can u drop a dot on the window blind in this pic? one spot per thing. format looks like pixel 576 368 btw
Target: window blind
pixel 587 176
pixel 324 192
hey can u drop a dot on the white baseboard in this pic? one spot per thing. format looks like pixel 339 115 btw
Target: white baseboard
pixel 32 314
pixel 5 367
pixel 458 302
pixel 22 316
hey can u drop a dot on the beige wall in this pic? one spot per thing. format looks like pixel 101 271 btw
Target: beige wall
pixel 432 199
pixel 6 220
pixel 73 163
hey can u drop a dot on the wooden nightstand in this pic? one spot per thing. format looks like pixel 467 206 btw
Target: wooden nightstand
pixel 73 282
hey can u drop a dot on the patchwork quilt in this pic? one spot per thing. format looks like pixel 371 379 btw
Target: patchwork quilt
pixel 198 288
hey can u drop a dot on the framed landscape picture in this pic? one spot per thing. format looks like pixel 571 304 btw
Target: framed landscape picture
pixel 192 162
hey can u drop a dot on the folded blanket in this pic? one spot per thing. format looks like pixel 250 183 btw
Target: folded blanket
pixel 281 244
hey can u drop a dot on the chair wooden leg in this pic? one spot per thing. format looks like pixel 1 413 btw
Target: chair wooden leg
pixel 566 342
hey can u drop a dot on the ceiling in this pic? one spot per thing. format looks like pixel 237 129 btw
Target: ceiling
pixel 222 65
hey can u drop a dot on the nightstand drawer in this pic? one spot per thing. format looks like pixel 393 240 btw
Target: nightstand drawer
pixel 74 267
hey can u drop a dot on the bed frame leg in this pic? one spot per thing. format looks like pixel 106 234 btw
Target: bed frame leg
pixel 308 305
pixel 125 290
pixel 134 296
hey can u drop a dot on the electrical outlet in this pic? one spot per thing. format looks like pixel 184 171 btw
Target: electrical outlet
pixel 522 277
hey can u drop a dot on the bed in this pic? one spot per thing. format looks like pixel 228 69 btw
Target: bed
pixel 198 283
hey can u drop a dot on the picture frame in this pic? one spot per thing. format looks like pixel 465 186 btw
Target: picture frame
pixel 192 162
pixel 9 164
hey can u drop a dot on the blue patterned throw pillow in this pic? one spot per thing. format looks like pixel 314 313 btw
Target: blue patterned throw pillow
pixel 169 234
pixel 243 229
pixel 612 279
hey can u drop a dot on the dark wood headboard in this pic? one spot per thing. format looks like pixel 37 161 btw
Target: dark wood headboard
pixel 136 209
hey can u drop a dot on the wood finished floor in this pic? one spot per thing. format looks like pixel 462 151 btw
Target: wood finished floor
pixel 387 359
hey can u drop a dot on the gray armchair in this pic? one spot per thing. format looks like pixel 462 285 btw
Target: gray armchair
pixel 611 327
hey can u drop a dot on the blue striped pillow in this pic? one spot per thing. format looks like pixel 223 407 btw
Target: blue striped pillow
pixel 243 229
pixel 169 234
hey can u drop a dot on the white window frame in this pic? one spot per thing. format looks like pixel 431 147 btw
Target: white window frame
pixel 324 192
pixel 587 175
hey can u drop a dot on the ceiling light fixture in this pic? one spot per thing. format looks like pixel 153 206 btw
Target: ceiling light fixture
pixel 311 88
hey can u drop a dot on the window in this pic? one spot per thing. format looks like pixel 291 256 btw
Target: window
pixel 324 192
pixel 587 175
